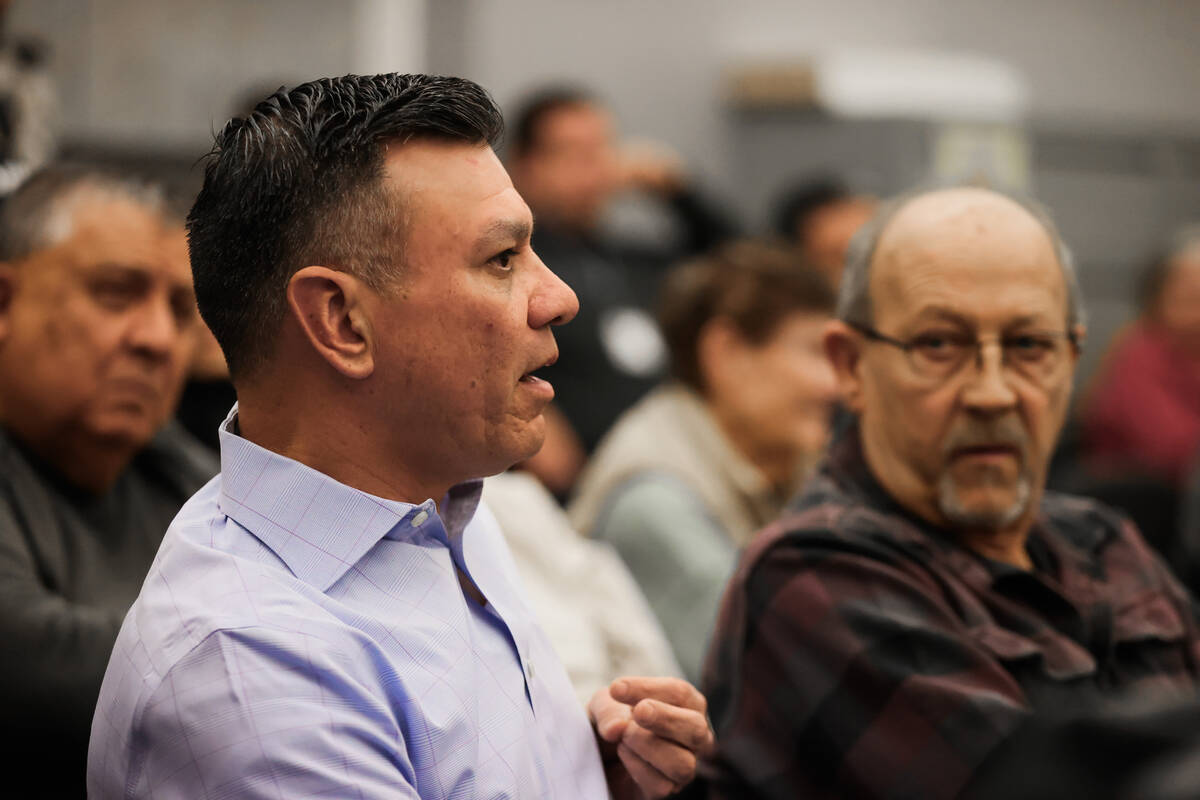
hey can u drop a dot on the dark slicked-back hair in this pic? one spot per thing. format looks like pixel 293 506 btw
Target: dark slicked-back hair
pixel 752 284
pixel 299 182
pixel 526 126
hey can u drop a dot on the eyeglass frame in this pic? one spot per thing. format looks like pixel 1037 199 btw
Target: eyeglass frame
pixel 875 335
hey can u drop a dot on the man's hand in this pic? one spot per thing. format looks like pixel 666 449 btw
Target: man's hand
pixel 651 732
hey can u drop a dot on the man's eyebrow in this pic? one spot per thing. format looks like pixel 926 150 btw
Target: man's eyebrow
pixel 117 269
pixel 506 230
pixel 943 312
pixel 1025 321
pixel 957 317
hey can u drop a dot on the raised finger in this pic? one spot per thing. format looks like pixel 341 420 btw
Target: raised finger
pixel 675 691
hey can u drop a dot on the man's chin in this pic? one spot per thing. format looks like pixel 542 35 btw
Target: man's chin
pixel 522 447
pixel 125 427
pixel 988 507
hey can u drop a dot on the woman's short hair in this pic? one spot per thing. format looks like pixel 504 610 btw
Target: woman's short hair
pixel 752 284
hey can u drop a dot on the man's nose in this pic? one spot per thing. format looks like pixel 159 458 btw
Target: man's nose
pixel 553 302
pixel 153 329
pixel 988 389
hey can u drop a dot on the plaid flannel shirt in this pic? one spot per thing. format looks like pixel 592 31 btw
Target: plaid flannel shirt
pixel 861 652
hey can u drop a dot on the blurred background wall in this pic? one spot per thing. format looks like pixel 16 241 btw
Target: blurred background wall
pixel 1092 104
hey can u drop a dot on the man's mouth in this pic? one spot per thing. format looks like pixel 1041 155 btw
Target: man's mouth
pixel 987 451
pixel 532 377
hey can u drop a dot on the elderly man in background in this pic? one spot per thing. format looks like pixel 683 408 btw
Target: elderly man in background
pixel 97 324
pixel 927 593
pixel 337 615
pixel 568 164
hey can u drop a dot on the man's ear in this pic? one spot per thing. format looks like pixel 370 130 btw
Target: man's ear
pixel 1080 333
pixel 329 307
pixel 8 289
pixel 843 348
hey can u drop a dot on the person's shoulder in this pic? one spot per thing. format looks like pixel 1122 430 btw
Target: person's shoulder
pixel 654 502
pixel 827 515
pixel 210 576
pixel 831 526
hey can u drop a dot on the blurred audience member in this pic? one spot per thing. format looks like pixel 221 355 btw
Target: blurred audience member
pixel 820 216
pixel 28 106
pixel 208 394
pixel 97 324
pixel 690 472
pixel 581 592
pixel 565 161
pixel 1143 412
pixel 927 593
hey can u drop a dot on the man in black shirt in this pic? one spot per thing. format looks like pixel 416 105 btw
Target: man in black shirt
pixel 97 324
pixel 565 161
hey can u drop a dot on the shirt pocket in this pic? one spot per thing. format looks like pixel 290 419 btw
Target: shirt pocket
pixel 1149 617
pixel 1052 654
pixel 1150 640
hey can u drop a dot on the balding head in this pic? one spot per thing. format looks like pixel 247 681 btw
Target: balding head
pixel 908 225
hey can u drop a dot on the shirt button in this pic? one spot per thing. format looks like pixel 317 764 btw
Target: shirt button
pixel 419 519
pixel 529 670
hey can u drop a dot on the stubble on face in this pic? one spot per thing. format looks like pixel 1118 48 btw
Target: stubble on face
pixel 1002 491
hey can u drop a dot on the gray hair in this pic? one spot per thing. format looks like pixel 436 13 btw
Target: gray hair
pixel 854 298
pixel 41 211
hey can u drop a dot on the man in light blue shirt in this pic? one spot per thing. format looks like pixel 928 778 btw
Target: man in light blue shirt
pixel 335 615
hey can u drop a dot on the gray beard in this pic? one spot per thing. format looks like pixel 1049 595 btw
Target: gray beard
pixel 988 521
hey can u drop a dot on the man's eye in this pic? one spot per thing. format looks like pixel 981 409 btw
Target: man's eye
pixel 939 346
pixel 1029 347
pixel 114 295
pixel 502 260
pixel 183 309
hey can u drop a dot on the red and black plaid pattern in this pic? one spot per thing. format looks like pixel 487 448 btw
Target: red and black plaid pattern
pixel 860 652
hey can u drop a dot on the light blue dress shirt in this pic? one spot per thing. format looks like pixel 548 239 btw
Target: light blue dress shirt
pixel 299 638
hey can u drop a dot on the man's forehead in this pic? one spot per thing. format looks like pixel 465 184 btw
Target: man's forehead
pixel 965 243
pixel 425 163
pixel 454 185
pixel 119 232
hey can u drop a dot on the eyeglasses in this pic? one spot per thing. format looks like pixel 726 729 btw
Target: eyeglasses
pixel 1036 355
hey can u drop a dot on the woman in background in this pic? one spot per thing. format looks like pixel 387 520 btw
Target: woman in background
pixel 1142 415
pixel 686 476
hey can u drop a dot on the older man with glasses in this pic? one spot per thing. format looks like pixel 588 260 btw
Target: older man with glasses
pixel 927 593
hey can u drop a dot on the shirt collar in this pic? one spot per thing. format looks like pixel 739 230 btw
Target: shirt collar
pixel 318 527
